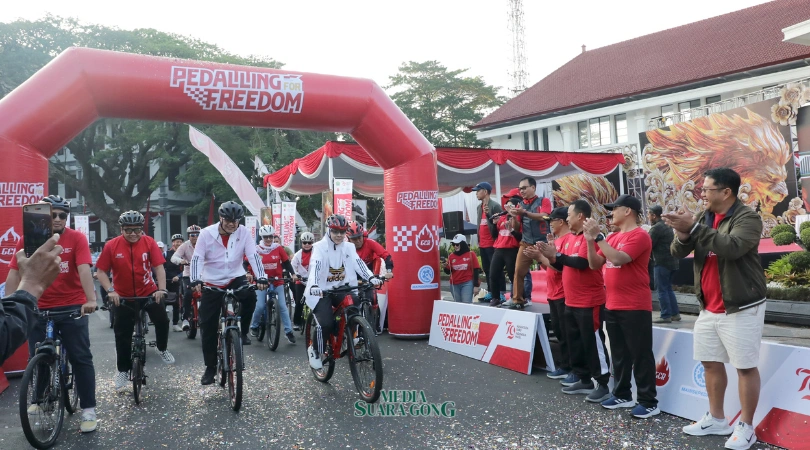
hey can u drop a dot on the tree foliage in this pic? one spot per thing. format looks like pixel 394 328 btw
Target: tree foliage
pixel 443 103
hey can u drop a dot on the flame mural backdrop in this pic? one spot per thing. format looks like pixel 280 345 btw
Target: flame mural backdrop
pixel 753 140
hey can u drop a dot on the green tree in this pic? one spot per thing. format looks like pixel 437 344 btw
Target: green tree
pixel 442 103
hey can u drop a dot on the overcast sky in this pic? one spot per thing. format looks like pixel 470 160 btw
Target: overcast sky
pixel 370 39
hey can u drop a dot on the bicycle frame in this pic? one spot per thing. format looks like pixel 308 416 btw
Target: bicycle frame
pixel 228 320
pixel 53 345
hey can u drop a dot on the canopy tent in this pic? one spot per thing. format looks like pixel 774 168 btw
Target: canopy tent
pixel 458 168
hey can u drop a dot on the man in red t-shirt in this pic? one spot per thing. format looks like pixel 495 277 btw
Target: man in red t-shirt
pixel 584 307
pixel 486 243
pixel 369 250
pixel 131 258
pixel 731 291
pixel 625 255
pixel 72 290
pixel 275 260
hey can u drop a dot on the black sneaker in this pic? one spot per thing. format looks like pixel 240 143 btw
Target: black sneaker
pixel 245 339
pixel 208 376
pixel 579 388
pixel 599 394
pixel 290 338
pixel 254 332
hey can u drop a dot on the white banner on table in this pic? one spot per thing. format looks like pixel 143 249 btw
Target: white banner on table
pixel 287 224
pixel 82 224
pixel 497 336
pixel 252 224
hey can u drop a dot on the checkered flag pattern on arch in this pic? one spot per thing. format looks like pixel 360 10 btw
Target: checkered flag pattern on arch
pixel 403 237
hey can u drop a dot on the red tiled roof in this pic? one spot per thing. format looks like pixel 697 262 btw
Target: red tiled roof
pixel 722 45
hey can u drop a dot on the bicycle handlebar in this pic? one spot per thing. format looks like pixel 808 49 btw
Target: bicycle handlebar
pixel 233 291
pixel 73 314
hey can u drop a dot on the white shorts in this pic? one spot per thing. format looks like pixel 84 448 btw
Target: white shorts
pixel 730 338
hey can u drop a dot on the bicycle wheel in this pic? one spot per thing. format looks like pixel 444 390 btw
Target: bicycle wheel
pixel 191 333
pixel 365 311
pixel 325 373
pixel 262 327
pixel 235 364
pixel 273 325
pixel 43 426
pixel 365 359
pixel 69 390
pixel 137 378
pixel 305 313
pixel 111 313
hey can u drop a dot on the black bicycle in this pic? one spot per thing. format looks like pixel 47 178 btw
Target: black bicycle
pixel 354 337
pixel 230 362
pixel 47 388
pixel 368 309
pixel 272 316
pixel 139 343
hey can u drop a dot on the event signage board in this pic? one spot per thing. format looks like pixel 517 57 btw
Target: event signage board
pixel 343 197
pixel 277 217
pixel 287 224
pixel 500 337
pixel 252 224
pixel 82 224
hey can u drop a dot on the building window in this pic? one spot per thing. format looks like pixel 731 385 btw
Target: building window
pixel 583 134
pixel 595 132
pixel 535 140
pixel 508 136
pixel 684 108
pixel 545 139
pixel 621 128
pixel 525 140
pixel 713 99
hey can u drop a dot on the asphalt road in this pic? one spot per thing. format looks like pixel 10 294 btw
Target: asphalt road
pixel 285 408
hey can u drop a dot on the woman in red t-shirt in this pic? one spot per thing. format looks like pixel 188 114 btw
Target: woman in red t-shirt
pixel 507 244
pixel 462 265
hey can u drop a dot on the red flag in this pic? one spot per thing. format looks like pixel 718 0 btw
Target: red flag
pixel 211 210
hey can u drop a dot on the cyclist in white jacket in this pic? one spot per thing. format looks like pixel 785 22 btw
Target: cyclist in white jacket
pixel 217 261
pixel 334 263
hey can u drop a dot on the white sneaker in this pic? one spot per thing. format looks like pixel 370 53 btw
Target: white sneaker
pixel 177 328
pixel 89 422
pixel 314 361
pixel 743 437
pixel 186 325
pixel 709 425
pixel 121 380
pixel 165 356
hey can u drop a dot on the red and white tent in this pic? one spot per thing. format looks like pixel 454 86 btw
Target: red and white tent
pixel 458 168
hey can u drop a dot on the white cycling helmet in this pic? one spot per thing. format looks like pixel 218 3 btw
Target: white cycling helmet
pixel 306 236
pixel 266 230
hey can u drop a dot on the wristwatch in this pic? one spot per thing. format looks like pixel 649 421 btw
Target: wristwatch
pixel 558 255
pixel 599 237
pixel 111 289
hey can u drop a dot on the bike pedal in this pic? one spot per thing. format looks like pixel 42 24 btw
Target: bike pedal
pixel 153 344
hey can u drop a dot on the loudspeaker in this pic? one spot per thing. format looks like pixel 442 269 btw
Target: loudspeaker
pixel 453 223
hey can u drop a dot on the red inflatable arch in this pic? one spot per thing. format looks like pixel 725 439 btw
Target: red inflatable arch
pixel 82 85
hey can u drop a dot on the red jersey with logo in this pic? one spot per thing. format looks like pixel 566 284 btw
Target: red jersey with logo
pixel 461 267
pixel 554 283
pixel 67 289
pixel 584 288
pixel 272 261
pixel 710 279
pixel 369 252
pixel 484 236
pixel 505 238
pixel 131 265
pixel 628 285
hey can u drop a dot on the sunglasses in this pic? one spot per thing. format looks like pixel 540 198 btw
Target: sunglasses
pixel 193 234
pixel 62 216
pixel 456 244
pixel 132 230
pixel 306 243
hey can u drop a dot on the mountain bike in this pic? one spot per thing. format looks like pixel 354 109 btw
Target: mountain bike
pixel 138 352
pixel 47 388
pixel 230 362
pixel 355 338
pixel 272 317
pixel 194 319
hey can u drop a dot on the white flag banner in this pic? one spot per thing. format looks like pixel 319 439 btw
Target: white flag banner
pixel 343 197
pixel 277 218
pixel 223 163
pixel 288 224
pixel 252 224
pixel 260 167
pixel 82 224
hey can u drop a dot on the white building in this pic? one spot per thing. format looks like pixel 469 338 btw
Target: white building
pixel 603 98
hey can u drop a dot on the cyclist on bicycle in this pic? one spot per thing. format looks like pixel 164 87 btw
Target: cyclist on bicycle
pixel 73 289
pixel 174 274
pixel 370 251
pixel 274 259
pixel 300 264
pixel 334 263
pixel 217 261
pixel 182 257
pixel 131 258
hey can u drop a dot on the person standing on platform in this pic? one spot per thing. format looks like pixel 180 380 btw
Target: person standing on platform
pixel 584 309
pixel 555 291
pixel 665 266
pixel 730 286
pixel 463 268
pixel 507 244
pixel 628 313
pixel 486 243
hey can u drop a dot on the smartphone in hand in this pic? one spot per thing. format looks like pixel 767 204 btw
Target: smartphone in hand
pixel 37 226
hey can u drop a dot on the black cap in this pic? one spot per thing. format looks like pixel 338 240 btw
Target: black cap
pixel 483 185
pixel 657 210
pixel 626 200
pixel 559 213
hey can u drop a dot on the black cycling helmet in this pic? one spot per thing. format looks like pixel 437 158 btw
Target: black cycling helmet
pixel 231 210
pixel 57 202
pixel 337 222
pixel 131 218
pixel 177 236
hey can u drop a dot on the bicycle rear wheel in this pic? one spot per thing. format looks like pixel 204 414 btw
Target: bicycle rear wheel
pixel 235 364
pixel 137 378
pixel 365 359
pixel 273 325
pixel 69 389
pixel 43 426
pixel 325 373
